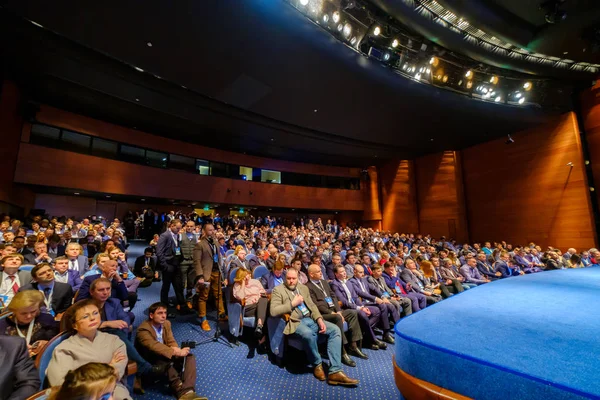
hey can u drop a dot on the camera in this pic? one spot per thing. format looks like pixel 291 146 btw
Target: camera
pixel 191 345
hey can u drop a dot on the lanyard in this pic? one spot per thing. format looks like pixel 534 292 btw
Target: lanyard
pixel 29 331
pixel 48 300
pixel 321 288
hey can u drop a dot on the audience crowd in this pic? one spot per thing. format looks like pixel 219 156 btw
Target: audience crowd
pixel 347 285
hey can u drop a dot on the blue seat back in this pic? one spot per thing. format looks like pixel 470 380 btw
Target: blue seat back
pixel 232 275
pixel 43 358
pixel 26 267
pixel 259 271
pixel 228 253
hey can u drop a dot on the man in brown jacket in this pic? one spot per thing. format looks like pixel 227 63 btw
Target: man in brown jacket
pixel 207 262
pixel 155 342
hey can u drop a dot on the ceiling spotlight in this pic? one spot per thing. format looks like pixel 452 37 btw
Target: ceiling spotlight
pixel 469 74
pixel 510 140
pixel 484 90
pixel 340 27
pixel 395 43
pixel 494 80
pixel 428 70
pixel 336 17
pixel 386 56
pixel 434 61
pixel 418 76
pixel 347 30
pixel 522 100
pixel 353 40
pixel 76 193
pixel 404 67
pixel 326 18
pixel 498 99
pixel 527 86
pixel 445 78
pixel 553 11
pixel 377 31
pixel 460 82
pixel 303 2
pixel 518 95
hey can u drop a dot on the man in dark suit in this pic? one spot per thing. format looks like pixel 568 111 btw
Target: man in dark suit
pixel 55 249
pixel 145 267
pixel 417 281
pixel 503 266
pixel 327 303
pixel 390 276
pixel 19 379
pixel 63 274
pixel 109 271
pixel 272 279
pixel 368 316
pixel 77 261
pixel 485 268
pixel 57 296
pixel 168 252
pixel 39 254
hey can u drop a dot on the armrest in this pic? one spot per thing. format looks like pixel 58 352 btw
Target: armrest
pixel 131 368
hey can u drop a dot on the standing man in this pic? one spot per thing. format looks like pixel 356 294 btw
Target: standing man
pixel 207 264
pixel 188 242
pixel 168 252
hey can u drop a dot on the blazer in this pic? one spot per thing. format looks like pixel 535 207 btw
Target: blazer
pixel 165 252
pixel 62 295
pixel 268 281
pixel 119 290
pixel 391 281
pixel 149 347
pixel 203 259
pixel 409 277
pixel 486 269
pixel 24 277
pixel 73 279
pixel 187 248
pixel 318 297
pixel 255 262
pixel 471 275
pixel 503 268
pixel 22 379
pixel 343 297
pixel 281 303
pixel 366 294
pixel 82 263
pixel 448 273
pixel 114 311
pixel 140 262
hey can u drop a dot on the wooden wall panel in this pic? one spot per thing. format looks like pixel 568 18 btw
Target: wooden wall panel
pixel 94 127
pixel 59 168
pixel 372 208
pixel 398 192
pixel 525 191
pixel 591 119
pixel 440 201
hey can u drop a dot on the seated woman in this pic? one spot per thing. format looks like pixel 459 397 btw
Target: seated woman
pixel 87 345
pixel 254 295
pixel 28 322
pixel 91 381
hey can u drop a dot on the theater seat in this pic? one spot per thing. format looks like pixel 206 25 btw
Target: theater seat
pixel 235 310
pixel 26 267
pixel 45 355
pixel 43 395
pixel 228 253
pixel 259 271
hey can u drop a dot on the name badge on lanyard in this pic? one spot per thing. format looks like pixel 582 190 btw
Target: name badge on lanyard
pixel 303 309
pixel 48 301
pixel 329 302
pixel 177 251
pixel 385 294
pixel 216 258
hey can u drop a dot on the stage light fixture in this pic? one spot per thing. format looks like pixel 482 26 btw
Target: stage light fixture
pixel 434 61
pixel 445 78
pixel 469 84
pixel 518 95
pixel 494 80
pixel 326 18
pixel 353 40
pixel 498 99
pixel 428 70
pixel 386 57
pixel 469 74
pixel 395 43
pixel 527 86
pixel 418 76
pixel 340 27
pixel 522 100
pixel 303 2
pixel 404 67
pixel 336 17
pixel 460 82
pixel 376 31
pixel 347 29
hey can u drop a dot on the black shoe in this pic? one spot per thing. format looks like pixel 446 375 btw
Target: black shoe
pixel 258 331
pixel 348 361
pixel 374 347
pixel 388 338
pixel 380 344
pixel 355 351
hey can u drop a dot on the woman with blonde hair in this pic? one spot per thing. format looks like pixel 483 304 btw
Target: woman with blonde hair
pixel 28 322
pixel 91 381
pixel 252 293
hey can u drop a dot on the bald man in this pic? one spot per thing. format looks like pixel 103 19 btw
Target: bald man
pixel 325 299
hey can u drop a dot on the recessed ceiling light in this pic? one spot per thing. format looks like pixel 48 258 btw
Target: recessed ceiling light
pixel 315 110
pixel 272 140
pixel 566 52
pixel 76 193
pixel 138 69
pixel 143 199
pixel 149 44
pixel 107 196
pixel 136 99
pixel 36 24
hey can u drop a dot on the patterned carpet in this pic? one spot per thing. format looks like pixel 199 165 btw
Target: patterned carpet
pixel 238 373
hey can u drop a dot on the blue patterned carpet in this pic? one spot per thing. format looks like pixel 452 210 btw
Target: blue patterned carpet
pixel 225 373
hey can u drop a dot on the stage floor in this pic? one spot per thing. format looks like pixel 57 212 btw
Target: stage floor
pixel 527 337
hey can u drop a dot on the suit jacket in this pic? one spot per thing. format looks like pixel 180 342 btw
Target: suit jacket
pixel 318 297
pixel 19 379
pixel 62 295
pixel 281 303
pixel 149 347
pixel 187 248
pixel 343 297
pixel 392 281
pixel 366 294
pixel 254 262
pixel 29 258
pixel 268 281
pixel 503 268
pixel 471 275
pixel 114 311
pixel 448 273
pixel 60 251
pixel 203 258
pixel 73 279
pixel 237 263
pixel 119 290
pixel 24 277
pixel 82 263
pixel 140 262
pixel 165 252
pixel 486 269
pixel 409 277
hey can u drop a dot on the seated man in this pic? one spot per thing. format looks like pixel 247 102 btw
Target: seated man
pixel 448 272
pixel 470 272
pixel 273 278
pixel 131 281
pixel 390 276
pixel 11 279
pixel 40 254
pixel 336 260
pixel 414 279
pixel 19 379
pixel 145 267
pixel 63 274
pixel 368 315
pixel 327 303
pixel 484 267
pixel 447 286
pixel 155 341
pixel 525 265
pixel 369 295
pixel 297 265
pixel 109 271
pixel 404 303
pixel 77 261
pixel 306 323
pixel 503 267
pixel 350 265
pixel 58 296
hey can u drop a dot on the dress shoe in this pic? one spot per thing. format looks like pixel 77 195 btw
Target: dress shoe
pixel 355 351
pixel 388 338
pixel 205 325
pixel 348 361
pixel 374 347
pixel 258 331
pixel 380 344
pixel 319 373
pixel 339 378
pixel 185 310
pixel 223 317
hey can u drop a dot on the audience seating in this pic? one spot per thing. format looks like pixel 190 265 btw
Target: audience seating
pixel 26 267
pixel 228 253
pixel 42 395
pixel 259 271
pixel 235 310
pixel 45 356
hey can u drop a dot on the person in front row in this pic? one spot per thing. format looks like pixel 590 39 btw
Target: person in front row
pixel 324 298
pixel 155 341
pixel 86 345
pixel 471 274
pixel 21 380
pixel 306 323
pixel 94 381
pixel 254 296
pixel 145 267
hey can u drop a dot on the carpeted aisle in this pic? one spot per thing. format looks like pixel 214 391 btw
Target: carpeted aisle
pixel 225 373
pixel 527 337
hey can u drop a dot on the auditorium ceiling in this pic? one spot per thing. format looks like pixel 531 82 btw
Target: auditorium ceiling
pixel 251 76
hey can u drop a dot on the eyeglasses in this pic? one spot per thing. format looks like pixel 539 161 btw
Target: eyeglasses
pixel 88 316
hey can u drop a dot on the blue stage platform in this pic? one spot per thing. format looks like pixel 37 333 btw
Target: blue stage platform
pixel 528 337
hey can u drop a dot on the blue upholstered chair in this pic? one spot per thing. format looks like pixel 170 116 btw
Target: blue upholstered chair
pixel 235 310
pixel 250 257
pixel 259 271
pixel 26 267
pixel 228 253
pixel 45 355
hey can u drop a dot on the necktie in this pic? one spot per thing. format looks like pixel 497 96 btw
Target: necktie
pixel 72 264
pixel 15 285
pixel 47 292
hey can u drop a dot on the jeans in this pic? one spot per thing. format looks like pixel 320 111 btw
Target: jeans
pixel 132 354
pixel 468 285
pixel 308 331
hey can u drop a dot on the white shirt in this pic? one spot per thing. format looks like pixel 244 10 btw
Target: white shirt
pixel 64 278
pixel 7 285
pixel 73 264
